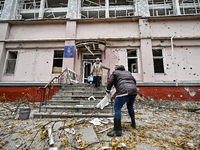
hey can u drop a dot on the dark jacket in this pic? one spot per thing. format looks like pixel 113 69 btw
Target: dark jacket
pixel 123 81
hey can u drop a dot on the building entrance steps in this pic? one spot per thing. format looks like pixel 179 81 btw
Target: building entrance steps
pixel 75 101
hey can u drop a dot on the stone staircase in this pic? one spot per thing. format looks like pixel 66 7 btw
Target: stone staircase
pixel 72 101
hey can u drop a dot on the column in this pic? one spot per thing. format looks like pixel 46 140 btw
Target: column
pixel 9 9
pixel 70 33
pixel 146 51
pixel 79 9
pixel 41 11
pixel 176 7
pixel 142 8
pixel 107 8
pixel 5 29
pixel 72 12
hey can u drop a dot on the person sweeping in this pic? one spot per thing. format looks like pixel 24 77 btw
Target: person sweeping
pixel 126 92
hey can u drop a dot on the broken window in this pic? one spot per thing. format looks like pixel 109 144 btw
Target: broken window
pixel 121 8
pixel 11 62
pixel 117 8
pixel 160 7
pixel 190 6
pixel 93 9
pixel 132 56
pixel 29 9
pixel 57 61
pixel 158 61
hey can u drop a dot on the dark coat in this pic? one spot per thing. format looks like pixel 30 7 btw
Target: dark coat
pixel 123 81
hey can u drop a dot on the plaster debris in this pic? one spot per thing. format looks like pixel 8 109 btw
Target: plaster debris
pixel 54 148
pixel 96 121
pixel 157 128
pixel 89 135
pixel 91 97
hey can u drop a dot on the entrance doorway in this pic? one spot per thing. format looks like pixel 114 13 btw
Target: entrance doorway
pixel 87 62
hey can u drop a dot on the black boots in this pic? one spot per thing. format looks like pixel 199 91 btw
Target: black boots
pixel 133 121
pixel 117 128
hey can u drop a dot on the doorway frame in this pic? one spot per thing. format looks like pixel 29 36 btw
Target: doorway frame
pixel 89 61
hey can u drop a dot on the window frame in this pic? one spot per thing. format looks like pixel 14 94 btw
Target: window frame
pixel 159 57
pixel 137 58
pixel 5 65
pixel 56 58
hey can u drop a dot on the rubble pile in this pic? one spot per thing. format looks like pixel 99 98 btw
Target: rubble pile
pixel 158 128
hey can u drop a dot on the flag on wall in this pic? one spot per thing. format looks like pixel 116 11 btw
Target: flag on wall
pixel 69 51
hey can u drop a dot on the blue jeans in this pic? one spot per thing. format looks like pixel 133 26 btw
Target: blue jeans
pixel 120 101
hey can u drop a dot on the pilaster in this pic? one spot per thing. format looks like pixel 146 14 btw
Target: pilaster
pixel 5 27
pixel 146 51
pixel 70 33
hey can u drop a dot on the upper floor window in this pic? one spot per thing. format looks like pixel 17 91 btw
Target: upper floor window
pixel 158 61
pixel 132 56
pixel 57 61
pixel 11 62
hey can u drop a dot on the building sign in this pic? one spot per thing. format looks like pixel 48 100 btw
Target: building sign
pixel 69 51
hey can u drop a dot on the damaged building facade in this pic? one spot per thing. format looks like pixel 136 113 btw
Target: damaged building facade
pixel 158 41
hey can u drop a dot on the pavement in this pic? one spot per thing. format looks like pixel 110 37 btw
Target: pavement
pixel 163 125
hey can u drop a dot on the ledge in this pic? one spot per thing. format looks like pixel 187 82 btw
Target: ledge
pixel 139 84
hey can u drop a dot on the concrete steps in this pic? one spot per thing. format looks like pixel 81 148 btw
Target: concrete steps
pixel 72 101
pixel 56 115
pixel 75 109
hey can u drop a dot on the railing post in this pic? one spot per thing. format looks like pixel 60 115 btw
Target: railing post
pixel 48 90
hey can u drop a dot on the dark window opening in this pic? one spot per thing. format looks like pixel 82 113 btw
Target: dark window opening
pixel 158 61
pixel 158 66
pixel 57 62
pixel 132 65
pixel 132 60
pixel 11 62
pixel 132 53
pixel 157 52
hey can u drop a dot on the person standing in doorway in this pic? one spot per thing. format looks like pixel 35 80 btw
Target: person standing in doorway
pixel 97 72
pixel 126 92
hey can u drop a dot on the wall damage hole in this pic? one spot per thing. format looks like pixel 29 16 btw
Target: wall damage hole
pixel 186 48
pixel 183 68
pixel 191 92
pixel 194 74
pixel 190 67
pixel 181 46
pixel 162 41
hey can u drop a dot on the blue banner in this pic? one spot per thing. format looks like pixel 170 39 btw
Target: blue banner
pixel 69 51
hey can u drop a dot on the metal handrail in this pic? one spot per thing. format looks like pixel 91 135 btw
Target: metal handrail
pixel 46 92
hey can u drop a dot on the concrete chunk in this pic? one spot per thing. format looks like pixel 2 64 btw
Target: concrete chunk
pixel 89 135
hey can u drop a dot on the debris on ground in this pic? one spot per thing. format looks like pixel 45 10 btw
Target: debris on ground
pixel 161 125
